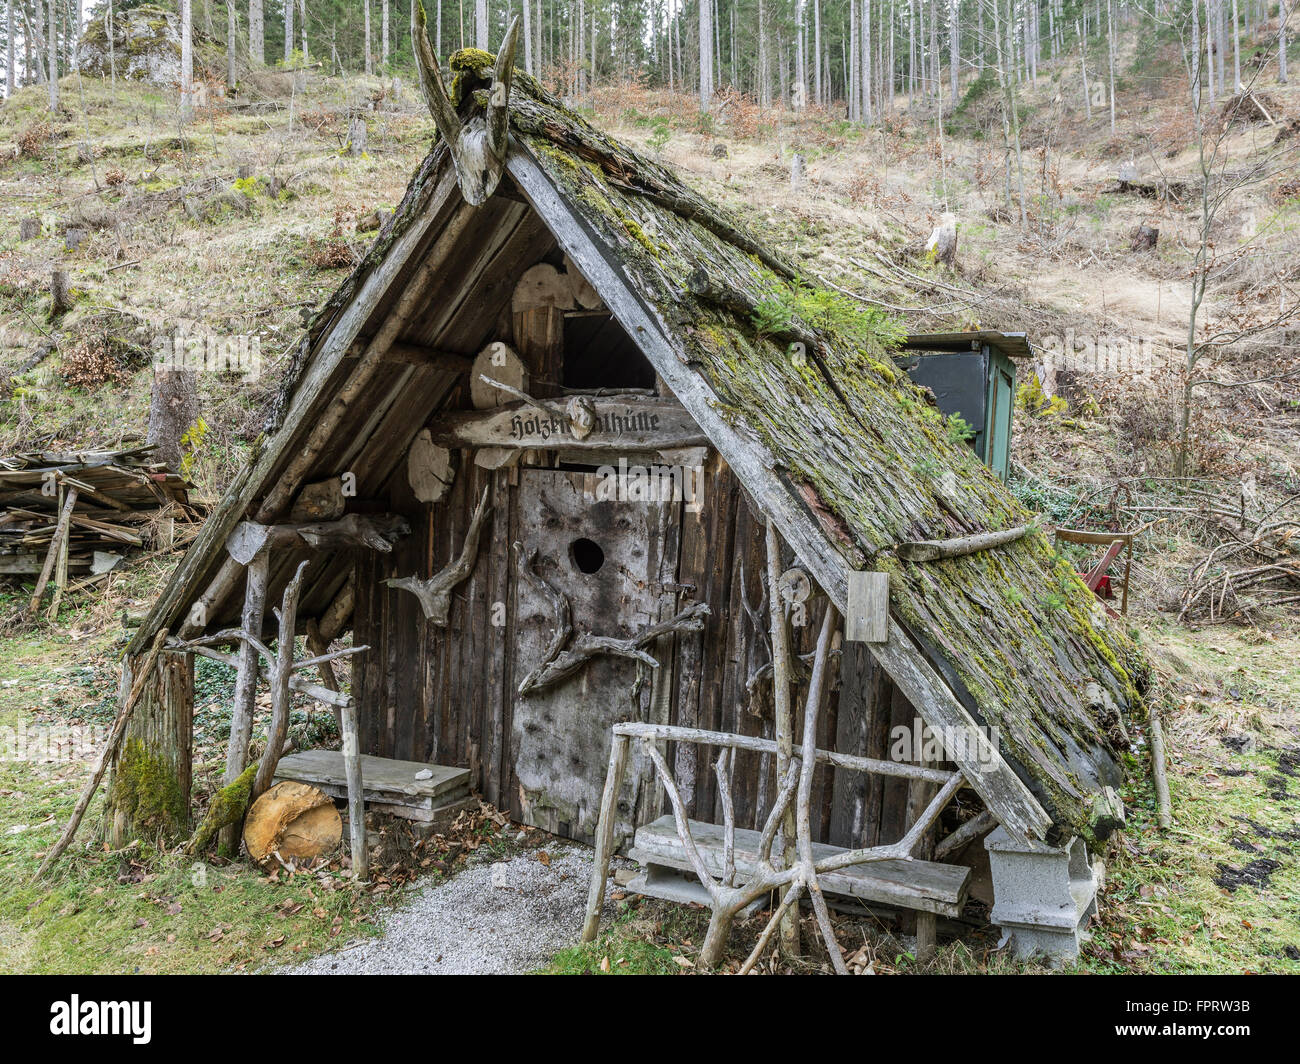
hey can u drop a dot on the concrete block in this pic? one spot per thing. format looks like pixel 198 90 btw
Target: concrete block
pixel 1043 896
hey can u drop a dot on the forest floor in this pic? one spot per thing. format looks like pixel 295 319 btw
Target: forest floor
pixel 176 240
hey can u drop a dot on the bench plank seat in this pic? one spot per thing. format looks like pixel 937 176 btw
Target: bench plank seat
pixel 926 886
pixel 388 785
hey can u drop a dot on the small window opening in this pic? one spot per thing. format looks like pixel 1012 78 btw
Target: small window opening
pixel 599 354
pixel 586 555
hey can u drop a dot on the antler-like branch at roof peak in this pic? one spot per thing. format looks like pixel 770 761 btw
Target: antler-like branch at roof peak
pixel 478 146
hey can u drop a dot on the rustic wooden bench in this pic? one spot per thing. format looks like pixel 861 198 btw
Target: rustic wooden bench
pixel 388 786
pixel 926 886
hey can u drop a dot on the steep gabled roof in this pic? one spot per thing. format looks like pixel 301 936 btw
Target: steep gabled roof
pixel 830 440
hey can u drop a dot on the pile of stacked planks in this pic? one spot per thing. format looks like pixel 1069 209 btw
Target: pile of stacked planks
pixel 78 513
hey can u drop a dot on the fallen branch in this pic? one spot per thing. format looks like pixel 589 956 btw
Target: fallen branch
pixel 930 550
pixel 227 807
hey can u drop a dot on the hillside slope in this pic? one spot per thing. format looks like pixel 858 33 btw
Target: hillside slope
pixel 231 229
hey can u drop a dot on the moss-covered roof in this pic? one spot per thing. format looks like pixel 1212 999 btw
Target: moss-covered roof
pixel 1023 642
pixel 870 456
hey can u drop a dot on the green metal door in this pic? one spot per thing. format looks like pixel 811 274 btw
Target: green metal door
pixel 997 432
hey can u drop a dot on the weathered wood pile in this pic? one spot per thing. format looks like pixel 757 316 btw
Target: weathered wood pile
pixel 80 512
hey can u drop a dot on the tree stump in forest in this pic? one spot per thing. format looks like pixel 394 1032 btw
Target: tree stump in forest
pixel 173 408
pixel 29 228
pixel 357 135
pixel 60 300
pixel 1143 238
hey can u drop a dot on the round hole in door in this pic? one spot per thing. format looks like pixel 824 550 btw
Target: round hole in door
pixel 586 555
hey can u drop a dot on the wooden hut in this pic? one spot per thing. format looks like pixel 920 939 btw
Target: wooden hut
pixel 528 453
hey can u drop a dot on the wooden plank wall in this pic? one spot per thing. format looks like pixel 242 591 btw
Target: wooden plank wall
pixel 446 695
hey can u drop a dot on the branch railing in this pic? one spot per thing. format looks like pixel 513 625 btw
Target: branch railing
pixel 727 897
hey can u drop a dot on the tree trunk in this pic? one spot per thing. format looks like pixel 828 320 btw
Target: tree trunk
pixel 1236 47
pixel 149 792
pixel 53 43
pixel 1284 13
pixel 481 26
pixel 187 58
pixel 173 408
pixel 865 43
pixel 232 33
pixel 706 54
pixel 1110 55
pixel 853 74
pixel 800 69
pixel 954 49
pixel 383 36
pixel 817 52
pixel 9 48
pixel 528 37
pixel 256 33
pixel 366 20
pixel 288 31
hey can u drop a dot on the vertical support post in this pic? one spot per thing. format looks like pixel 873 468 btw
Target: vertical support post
pixel 241 716
pixel 356 796
pixel 605 835
pixel 919 795
pixel 784 720
pixel 61 567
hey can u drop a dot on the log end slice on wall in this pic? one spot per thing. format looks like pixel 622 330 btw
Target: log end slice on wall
pixel 583 293
pixel 321 501
pixel 499 361
pixel 542 286
pixel 428 468
pixel 294 820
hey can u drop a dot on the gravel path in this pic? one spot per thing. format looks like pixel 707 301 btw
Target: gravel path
pixel 504 918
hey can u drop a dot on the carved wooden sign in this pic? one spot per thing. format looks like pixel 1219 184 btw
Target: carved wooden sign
pixel 618 423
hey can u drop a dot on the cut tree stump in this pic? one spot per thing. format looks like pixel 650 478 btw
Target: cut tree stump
pixel 60 299
pixel 293 820
pixel 1143 238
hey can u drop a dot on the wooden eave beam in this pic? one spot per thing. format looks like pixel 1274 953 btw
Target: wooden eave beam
pixel 353 530
pixel 415 355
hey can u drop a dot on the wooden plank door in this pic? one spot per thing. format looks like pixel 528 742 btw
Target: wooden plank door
pixel 616 562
